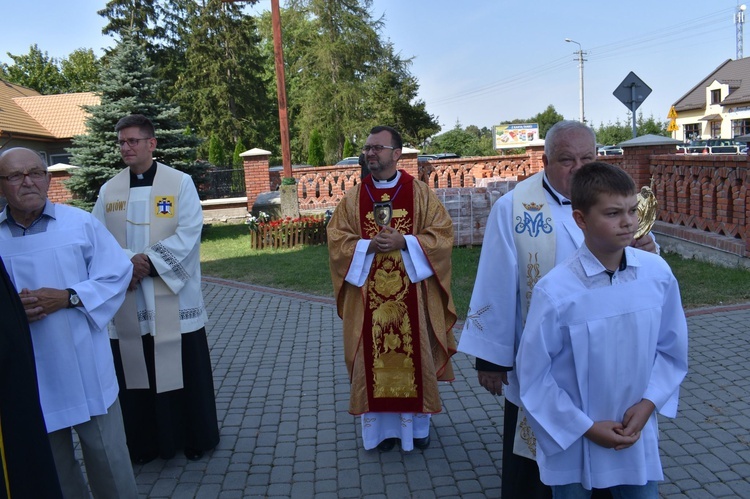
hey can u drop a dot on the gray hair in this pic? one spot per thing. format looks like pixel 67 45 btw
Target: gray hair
pixel 562 127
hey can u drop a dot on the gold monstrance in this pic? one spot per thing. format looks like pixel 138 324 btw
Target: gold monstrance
pixel 383 212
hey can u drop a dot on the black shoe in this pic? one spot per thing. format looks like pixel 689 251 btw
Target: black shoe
pixel 147 458
pixel 193 454
pixel 422 443
pixel 387 444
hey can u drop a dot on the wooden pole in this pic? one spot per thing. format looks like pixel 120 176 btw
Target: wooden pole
pixel 278 52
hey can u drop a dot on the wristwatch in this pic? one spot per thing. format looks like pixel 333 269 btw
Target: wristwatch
pixel 73 299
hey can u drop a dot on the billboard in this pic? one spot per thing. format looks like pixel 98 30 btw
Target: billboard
pixel 516 135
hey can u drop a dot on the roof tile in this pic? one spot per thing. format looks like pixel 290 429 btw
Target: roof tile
pixel 24 111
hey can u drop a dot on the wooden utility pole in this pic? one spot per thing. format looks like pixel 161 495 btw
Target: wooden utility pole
pixel 278 52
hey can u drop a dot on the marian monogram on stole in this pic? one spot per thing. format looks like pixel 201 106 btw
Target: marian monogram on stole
pixel 534 223
pixel 392 341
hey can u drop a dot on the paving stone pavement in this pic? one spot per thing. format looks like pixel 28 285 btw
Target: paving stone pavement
pixel 282 398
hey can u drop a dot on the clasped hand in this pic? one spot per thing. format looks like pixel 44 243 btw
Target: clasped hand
pixel 619 436
pixel 40 303
pixel 493 381
pixel 387 240
pixel 141 269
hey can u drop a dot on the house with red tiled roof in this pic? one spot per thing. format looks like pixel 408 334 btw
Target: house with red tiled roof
pixel 718 106
pixel 44 123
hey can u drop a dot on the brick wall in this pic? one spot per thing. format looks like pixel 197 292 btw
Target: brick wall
pixel 702 198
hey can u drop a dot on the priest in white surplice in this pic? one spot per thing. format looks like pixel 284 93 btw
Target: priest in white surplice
pixel 158 336
pixel 72 278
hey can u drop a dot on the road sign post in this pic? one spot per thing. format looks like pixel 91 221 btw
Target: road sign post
pixel 632 92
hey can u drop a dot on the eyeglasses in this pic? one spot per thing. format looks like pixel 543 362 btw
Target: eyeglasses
pixel 131 142
pixel 17 178
pixel 376 148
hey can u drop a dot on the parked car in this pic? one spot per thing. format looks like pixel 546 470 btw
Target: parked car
pixel 609 151
pixel 426 157
pixel 446 155
pixel 714 146
pixel 351 160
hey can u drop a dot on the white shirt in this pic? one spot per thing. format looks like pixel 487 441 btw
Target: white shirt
pixel 74 364
pixel 590 350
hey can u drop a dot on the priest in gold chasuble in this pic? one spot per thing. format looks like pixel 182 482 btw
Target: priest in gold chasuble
pixel 390 241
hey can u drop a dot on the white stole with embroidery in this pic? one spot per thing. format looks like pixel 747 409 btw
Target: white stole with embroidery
pixel 536 247
pixel 163 219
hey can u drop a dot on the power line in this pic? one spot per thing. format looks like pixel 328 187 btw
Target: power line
pixel 655 41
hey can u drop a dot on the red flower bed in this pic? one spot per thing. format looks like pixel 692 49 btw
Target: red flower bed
pixel 289 232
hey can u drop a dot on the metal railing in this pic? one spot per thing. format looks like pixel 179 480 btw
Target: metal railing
pixel 224 183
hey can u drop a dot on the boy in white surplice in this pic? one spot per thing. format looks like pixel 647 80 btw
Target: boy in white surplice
pixel 604 346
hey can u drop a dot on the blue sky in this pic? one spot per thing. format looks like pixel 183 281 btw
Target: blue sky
pixel 484 62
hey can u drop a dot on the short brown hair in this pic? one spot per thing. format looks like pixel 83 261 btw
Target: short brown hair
pixel 597 178
pixel 137 120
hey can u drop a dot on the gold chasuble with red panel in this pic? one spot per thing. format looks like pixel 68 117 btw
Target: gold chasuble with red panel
pixel 397 334
pixel 391 312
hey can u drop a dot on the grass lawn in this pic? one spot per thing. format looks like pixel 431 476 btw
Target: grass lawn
pixel 226 253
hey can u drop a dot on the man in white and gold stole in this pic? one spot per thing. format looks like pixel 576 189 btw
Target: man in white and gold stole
pixel 390 242
pixel 159 333
pixel 529 231
pixel 71 276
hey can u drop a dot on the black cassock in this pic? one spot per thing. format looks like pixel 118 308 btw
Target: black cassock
pixel 26 456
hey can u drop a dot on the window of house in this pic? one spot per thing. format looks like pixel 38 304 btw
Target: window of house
pixel 716 129
pixel 692 131
pixel 740 127
pixel 59 158
pixel 715 96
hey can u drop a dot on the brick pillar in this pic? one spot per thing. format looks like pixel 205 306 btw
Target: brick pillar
pixel 535 153
pixel 57 192
pixel 408 162
pixel 257 179
pixel 636 160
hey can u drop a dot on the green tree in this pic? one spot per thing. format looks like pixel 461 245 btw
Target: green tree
pixel 460 141
pixel 35 70
pixel 342 51
pixel 614 133
pixel 239 148
pixel 315 153
pixel 650 126
pixel 80 70
pixel 216 155
pixel 134 19
pixel 341 78
pixel 546 119
pixel 222 89
pixel 392 99
pixel 127 86
pixel 348 148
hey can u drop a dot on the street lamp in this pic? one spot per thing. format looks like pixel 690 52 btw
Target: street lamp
pixel 581 53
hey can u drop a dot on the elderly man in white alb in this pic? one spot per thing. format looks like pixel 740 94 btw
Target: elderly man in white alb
pixel 72 278
pixel 159 335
